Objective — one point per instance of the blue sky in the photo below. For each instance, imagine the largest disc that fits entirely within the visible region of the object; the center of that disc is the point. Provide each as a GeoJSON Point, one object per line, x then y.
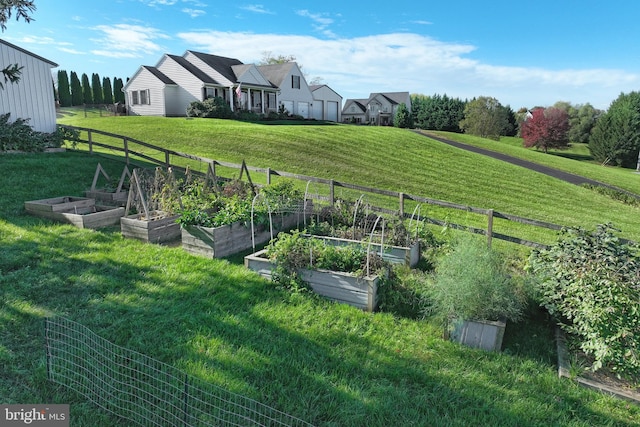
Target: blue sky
{"type": "Point", "coordinates": [524, 53]}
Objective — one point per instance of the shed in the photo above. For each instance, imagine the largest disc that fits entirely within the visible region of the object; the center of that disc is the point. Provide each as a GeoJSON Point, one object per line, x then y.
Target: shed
{"type": "Point", "coordinates": [32, 96]}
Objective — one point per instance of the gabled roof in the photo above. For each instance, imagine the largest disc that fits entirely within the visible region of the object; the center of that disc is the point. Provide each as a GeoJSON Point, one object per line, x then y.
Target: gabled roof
{"type": "Point", "coordinates": [6, 43]}
{"type": "Point", "coordinates": [221, 64]}
{"type": "Point", "coordinates": [197, 72]}
{"type": "Point", "coordinates": [314, 88]}
{"type": "Point", "coordinates": [159, 74]}
{"type": "Point", "coordinates": [360, 103]}
{"type": "Point", "coordinates": [392, 97]}
{"type": "Point", "coordinates": [276, 73]}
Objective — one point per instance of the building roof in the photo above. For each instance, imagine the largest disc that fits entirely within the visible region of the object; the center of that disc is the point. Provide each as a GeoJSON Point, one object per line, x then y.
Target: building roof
{"type": "Point", "coordinates": [201, 75]}
{"type": "Point", "coordinates": [221, 64]}
{"type": "Point", "coordinates": [4, 42]}
{"type": "Point", "coordinates": [276, 73]}
{"type": "Point", "coordinates": [393, 97]}
{"type": "Point", "coordinates": [159, 74]}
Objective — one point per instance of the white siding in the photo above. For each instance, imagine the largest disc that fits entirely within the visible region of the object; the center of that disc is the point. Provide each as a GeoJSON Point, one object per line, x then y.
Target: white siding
{"type": "Point", "coordinates": [327, 104]}
{"type": "Point", "coordinates": [191, 86]}
{"type": "Point", "coordinates": [144, 80]}
{"type": "Point", "coordinates": [290, 96]}
{"type": "Point", "coordinates": [32, 97]}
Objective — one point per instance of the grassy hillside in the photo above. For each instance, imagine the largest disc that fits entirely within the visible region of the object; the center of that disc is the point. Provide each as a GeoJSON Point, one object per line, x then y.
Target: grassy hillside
{"type": "Point", "coordinates": [388, 158]}
{"type": "Point", "coordinates": [329, 364]}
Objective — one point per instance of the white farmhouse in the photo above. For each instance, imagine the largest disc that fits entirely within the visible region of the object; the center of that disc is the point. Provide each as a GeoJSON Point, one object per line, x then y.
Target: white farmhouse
{"type": "Point", "coordinates": [32, 96]}
{"type": "Point", "coordinates": [168, 88]}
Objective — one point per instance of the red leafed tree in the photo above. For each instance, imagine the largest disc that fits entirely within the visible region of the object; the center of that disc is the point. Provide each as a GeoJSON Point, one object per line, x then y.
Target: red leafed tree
{"type": "Point", "coordinates": [546, 128]}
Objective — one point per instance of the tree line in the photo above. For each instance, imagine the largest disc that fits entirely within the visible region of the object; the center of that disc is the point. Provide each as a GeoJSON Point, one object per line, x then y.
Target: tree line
{"type": "Point", "coordinates": [613, 136]}
{"type": "Point", "coordinates": [73, 90]}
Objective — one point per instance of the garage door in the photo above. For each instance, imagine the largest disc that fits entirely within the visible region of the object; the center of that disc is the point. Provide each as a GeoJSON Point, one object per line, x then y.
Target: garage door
{"type": "Point", "coordinates": [332, 111]}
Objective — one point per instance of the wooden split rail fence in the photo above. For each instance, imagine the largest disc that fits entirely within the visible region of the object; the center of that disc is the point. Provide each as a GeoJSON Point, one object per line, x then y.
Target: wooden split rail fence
{"type": "Point", "coordinates": [136, 150]}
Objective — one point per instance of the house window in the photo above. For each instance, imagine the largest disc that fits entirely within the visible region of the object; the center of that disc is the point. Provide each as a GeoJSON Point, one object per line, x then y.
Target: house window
{"type": "Point", "coordinates": [353, 108]}
{"type": "Point", "coordinates": [140, 97]}
{"type": "Point", "coordinates": [295, 82]}
{"type": "Point", "coordinates": [271, 102]}
{"type": "Point", "coordinates": [209, 92]}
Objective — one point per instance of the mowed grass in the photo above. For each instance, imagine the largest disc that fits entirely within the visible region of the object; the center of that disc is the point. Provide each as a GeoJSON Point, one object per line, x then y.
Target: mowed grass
{"type": "Point", "coordinates": [388, 158]}
{"type": "Point", "coordinates": [329, 364]}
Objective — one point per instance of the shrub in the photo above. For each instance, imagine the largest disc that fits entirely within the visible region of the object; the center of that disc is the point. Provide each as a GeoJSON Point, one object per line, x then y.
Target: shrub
{"type": "Point", "coordinates": [18, 135]}
{"type": "Point", "coordinates": [210, 108]}
{"type": "Point", "coordinates": [471, 282]}
{"type": "Point", "coordinates": [591, 282]}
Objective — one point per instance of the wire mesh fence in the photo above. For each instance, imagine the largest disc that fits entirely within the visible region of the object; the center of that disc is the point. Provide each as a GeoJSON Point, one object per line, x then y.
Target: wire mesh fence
{"type": "Point", "coordinates": [143, 390]}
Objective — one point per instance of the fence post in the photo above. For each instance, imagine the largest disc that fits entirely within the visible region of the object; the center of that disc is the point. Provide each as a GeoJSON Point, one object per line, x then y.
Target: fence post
{"type": "Point", "coordinates": [46, 340]}
{"type": "Point", "coordinates": [125, 144]}
{"type": "Point", "coordinates": [185, 408]}
{"type": "Point", "coordinates": [489, 227]}
{"type": "Point", "coordinates": [331, 193]}
{"type": "Point", "coordinates": [90, 142]}
{"type": "Point", "coordinates": [166, 158]}
{"type": "Point", "coordinates": [401, 197]}
{"type": "Point", "coordinates": [268, 176]}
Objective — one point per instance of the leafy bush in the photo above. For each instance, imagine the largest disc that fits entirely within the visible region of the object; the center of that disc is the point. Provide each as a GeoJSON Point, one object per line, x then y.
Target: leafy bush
{"type": "Point", "coordinates": [18, 135]}
{"type": "Point", "coordinates": [620, 196]}
{"type": "Point", "coordinates": [591, 282]}
{"type": "Point", "coordinates": [471, 282]}
{"type": "Point", "coordinates": [216, 108]}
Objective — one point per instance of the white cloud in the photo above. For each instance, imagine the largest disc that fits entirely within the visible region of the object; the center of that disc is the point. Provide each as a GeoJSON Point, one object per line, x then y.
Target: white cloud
{"type": "Point", "coordinates": [354, 67]}
{"type": "Point", "coordinates": [128, 41]}
{"type": "Point", "coordinates": [257, 8]}
{"type": "Point", "coordinates": [194, 13]}
{"type": "Point", "coordinates": [71, 51]}
{"type": "Point", "coordinates": [321, 22]}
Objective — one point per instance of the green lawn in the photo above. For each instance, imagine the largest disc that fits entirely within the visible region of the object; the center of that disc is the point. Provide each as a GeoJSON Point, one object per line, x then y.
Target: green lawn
{"type": "Point", "coordinates": [329, 364]}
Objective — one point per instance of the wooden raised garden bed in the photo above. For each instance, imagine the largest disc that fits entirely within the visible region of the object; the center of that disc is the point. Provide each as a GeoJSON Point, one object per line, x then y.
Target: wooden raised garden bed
{"type": "Point", "coordinates": [112, 197]}
{"type": "Point", "coordinates": [230, 239]}
{"type": "Point", "coordinates": [79, 211]}
{"type": "Point", "coordinates": [393, 254]}
{"type": "Point", "coordinates": [157, 227]}
{"type": "Point", "coordinates": [361, 292]}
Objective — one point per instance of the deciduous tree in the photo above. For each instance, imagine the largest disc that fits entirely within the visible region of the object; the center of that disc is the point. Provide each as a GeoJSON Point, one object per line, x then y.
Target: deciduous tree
{"type": "Point", "coordinates": [546, 128]}
{"type": "Point", "coordinates": [485, 117]}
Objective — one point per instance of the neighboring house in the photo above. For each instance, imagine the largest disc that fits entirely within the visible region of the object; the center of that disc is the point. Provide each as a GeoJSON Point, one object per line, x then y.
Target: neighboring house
{"type": "Point", "coordinates": [327, 103]}
{"type": "Point", "coordinates": [32, 97]}
{"type": "Point", "coordinates": [378, 109]}
{"type": "Point", "coordinates": [176, 81]}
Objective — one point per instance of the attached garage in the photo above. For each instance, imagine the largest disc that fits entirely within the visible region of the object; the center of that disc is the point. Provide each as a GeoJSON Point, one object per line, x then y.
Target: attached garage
{"type": "Point", "coordinates": [327, 104]}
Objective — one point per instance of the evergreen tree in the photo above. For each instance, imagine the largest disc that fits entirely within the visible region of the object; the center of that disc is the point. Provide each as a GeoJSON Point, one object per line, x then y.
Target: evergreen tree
{"type": "Point", "coordinates": [107, 90]}
{"type": "Point", "coordinates": [87, 97]}
{"type": "Point", "coordinates": [118, 94]}
{"type": "Point", "coordinates": [402, 118]}
{"type": "Point", "coordinates": [96, 88]}
{"type": "Point", "coordinates": [438, 112]}
{"type": "Point", "coordinates": [615, 139]}
{"type": "Point", "coordinates": [76, 90]}
{"type": "Point", "coordinates": [64, 95]}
